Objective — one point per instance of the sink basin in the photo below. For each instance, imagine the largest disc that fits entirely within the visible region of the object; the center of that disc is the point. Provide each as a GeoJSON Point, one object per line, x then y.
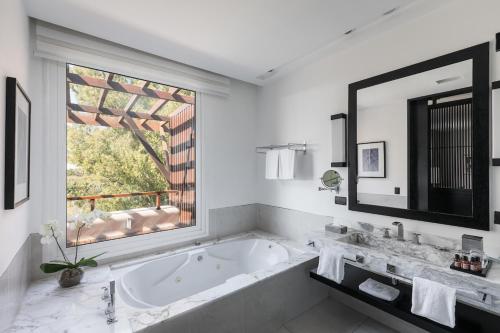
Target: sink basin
{"type": "Point", "coordinates": [391, 246]}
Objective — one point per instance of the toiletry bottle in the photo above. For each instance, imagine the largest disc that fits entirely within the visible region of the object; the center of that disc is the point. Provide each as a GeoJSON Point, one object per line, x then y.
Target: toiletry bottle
{"type": "Point", "coordinates": [475, 264]}
{"type": "Point", "coordinates": [457, 263]}
{"type": "Point", "coordinates": [465, 263]}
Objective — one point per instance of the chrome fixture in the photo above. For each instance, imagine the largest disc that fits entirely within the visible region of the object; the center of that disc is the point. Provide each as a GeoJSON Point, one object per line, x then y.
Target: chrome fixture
{"type": "Point", "coordinates": [387, 232]}
{"type": "Point", "coordinates": [331, 180]}
{"type": "Point", "coordinates": [292, 146]}
{"type": "Point", "coordinates": [392, 269]}
{"type": "Point", "coordinates": [110, 310]}
{"type": "Point", "coordinates": [357, 237]}
{"type": "Point", "coordinates": [311, 243]}
{"type": "Point", "coordinates": [197, 243]}
{"type": "Point", "coordinates": [401, 232]}
{"type": "Point", "coordinates": [359, 259]}
{"type": "Point", "coordinates": [105, 294]}
{"type": "Point", "coordinates": [416, 238]}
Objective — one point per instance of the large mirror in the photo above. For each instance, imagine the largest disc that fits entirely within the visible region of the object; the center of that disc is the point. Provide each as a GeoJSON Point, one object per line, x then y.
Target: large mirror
{"type": "Point", "coordinates": [419, 141]}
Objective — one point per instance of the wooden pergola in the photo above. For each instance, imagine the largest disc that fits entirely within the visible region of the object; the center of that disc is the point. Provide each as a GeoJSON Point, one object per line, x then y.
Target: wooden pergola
{"type": "Point", "coordinates": [101, 116]}
{"type": "Point", "coordinates": [177, 166]}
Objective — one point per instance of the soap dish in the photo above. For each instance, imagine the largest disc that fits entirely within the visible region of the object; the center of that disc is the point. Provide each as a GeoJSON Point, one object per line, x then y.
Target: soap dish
{"type": "Point", "coordinates": [482, 272]}
{"type": "Point", "coordinates": [379, 290]}
{"type": "Point", "coordinates": [342, 229]}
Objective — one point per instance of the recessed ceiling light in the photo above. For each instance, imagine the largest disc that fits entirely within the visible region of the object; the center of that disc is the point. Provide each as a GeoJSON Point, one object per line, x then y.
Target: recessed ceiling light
{"type": "Point", "coordinates": [448, 79]}
{"type": "Point", "coordinates": [267, 74]}
{"type": "Point", "coordinates": [390, 11]}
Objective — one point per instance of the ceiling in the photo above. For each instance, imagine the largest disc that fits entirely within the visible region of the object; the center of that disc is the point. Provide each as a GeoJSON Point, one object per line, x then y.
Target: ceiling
{"type": "Point", "coordinates": [236, 38]}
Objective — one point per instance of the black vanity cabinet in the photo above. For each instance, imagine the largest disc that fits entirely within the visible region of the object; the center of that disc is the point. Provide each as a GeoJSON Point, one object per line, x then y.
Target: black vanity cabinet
{"type": "Point", "coordinates": [418, 141]}
{"type": "Point", "coordinates": [468, 319]}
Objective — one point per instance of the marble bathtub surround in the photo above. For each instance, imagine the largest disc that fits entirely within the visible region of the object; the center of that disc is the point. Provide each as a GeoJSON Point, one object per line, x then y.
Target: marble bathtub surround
{"type": "Point", "coordinates": [49, 308]}
{"type": "Point", "coordinates": [13, 285]}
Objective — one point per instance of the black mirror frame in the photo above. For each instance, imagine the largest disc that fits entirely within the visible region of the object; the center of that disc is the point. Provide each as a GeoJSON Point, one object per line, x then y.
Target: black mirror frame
{"type": "Point", "coordinates": [480, 218]}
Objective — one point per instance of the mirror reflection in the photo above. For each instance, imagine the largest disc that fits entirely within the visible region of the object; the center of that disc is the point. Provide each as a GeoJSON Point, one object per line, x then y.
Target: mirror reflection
{"type": "Point", "coordinates": [414, 142]}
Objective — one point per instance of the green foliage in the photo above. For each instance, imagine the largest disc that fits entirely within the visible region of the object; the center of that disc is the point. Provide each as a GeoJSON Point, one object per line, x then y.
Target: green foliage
{"type": "Point", "coordinates": [111, 161]}
{"type": "Point", "coordinates": [56, 265]}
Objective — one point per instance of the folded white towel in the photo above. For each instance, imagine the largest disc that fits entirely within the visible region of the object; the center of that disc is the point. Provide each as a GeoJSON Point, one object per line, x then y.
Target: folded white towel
{"type": "Point", "coordinates": [331, 264]}
{"type": "Point", "coordinates": [272, 160]}
{"type": "Point", "coordinates": [434, 301]}
{"type": "Point", "coordinates": [286, 163]}
{"type": "Point", "coordinates": [379, 290]}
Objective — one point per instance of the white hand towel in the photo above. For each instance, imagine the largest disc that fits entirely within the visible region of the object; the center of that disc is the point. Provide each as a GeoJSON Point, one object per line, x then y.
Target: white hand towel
{"type": "Point", "coordinates": [286, 164]}
{"type": "Point", "coordinates": [379, 290]}
{"type": "Point", "coordinates": [434, 301]}
{"type": "Point", "coordinates": [331, 264]}
{"type": "Point", "coordinates": [272, 160]}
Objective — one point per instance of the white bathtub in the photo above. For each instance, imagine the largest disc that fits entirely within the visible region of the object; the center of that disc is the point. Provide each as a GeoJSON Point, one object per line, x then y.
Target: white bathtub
{"type": "Point", "coordinates": [163, 281]}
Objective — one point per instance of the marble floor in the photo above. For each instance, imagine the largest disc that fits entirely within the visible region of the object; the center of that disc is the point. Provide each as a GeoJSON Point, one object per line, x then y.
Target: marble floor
{"type": "Point", "coordinates": [330, 316]}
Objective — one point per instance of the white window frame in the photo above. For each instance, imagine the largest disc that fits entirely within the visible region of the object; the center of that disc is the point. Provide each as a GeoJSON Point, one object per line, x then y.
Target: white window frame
{"type": "Point", "coordinates": [54, 170]}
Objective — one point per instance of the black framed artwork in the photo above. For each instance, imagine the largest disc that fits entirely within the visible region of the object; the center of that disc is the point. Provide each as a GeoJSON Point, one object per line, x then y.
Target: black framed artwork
{"type": "Point", "coordinates": [17, 144]}
{"type": "Point", "coordinates": [371, 159]}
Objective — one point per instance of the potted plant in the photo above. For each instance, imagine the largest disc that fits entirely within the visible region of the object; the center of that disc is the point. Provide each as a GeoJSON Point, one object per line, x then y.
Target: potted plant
{"type": "Point", "coordinates": [72, 272]}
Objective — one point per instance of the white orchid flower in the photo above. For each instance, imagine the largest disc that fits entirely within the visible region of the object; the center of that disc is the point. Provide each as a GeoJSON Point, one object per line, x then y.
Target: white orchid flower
{"type": "Point", "coordinates": [50, 230]}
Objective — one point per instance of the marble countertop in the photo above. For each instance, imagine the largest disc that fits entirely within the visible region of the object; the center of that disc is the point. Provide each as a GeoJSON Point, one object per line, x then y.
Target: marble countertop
{"type": "Point", "coordinates": [470, 288]}
{"type": "Point", "coordinates": [49, 308]}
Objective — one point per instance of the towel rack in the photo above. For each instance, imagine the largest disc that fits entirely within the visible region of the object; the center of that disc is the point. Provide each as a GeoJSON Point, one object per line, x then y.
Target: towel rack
{"type": "Point", "coordinates": [291, 146]}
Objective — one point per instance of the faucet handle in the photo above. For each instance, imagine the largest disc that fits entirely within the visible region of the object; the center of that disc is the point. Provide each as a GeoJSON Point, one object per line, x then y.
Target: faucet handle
{"type": "Point", "coordinates": [105, 293]}
{"type": "Point", "coordinates": [416, 238]}
{"type": "Point", "coordinates": [387, 232]}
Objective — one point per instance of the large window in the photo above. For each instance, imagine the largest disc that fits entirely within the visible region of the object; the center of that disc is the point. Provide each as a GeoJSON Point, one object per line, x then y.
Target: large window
{"type": "Point", "coordinates": [130, 156]}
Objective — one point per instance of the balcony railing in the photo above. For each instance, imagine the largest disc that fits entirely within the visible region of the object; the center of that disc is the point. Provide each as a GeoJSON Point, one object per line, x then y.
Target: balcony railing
{"type": "Point", "coordinates": [92, 198]}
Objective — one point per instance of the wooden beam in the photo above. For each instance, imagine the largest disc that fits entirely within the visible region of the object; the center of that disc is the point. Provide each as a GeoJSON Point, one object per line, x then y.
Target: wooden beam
{"type": "Point", "coordinates": [83, 118]}
{"type": "Point", "coordinates": [104, 94]}
{"type": "Point", "coordinates": [142, 139]}
{"type": "Point", "coordinates": [134, 98]}
{"type": "Point", "coordinates": [164, 146]}
{"type": "Point", "coordinates": [115, 112]}
{"type": "Point", "coordinates": [127, 88]}
{"type": "Point", "coordinates": [157, 106]}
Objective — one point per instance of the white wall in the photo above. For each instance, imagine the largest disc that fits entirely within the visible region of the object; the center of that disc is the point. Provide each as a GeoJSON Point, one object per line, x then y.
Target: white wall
{"type": "Point", "coordinates": [297, 107]}
{"type": "Point", "coordinates": [373, 126]}
{"type": "Point", "coordinates": [14, 61]}
{"type": "Point", "coordinates": [229, 147]}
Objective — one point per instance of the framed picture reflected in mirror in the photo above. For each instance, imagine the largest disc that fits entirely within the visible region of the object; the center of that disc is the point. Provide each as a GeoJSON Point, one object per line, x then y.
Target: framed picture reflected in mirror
{"type": "Point", "coordinates": [371, 159]}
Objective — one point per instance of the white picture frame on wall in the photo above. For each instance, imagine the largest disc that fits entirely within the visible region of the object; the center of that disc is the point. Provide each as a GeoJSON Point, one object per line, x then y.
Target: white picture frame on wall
{"type": "Point", "coordinates": [371, 159]}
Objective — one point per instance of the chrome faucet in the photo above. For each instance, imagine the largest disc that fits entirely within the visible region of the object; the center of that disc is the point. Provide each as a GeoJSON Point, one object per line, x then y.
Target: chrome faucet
{"type": "Point", "coordinates": [110, 310]}
{"type": "Point", "coordinates": [401, 232]}
{"type": "Point", "coordinates": [416, 238]}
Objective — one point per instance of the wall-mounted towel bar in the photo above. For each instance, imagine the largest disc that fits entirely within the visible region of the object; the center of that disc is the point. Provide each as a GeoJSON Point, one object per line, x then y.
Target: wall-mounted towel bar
{"type": "Point", "coordinates": [292, 146]}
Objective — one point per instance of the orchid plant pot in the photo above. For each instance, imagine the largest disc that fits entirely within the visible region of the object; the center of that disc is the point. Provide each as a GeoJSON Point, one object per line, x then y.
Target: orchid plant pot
{"type": "Point", "coordinates": [71, 272]}
{"type": "Point", "coordinates": [70, 277]}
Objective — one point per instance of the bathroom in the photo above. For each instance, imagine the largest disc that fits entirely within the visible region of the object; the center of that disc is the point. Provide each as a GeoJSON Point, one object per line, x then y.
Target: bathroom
{"type": "Point", "coordinates": [250, 166]}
